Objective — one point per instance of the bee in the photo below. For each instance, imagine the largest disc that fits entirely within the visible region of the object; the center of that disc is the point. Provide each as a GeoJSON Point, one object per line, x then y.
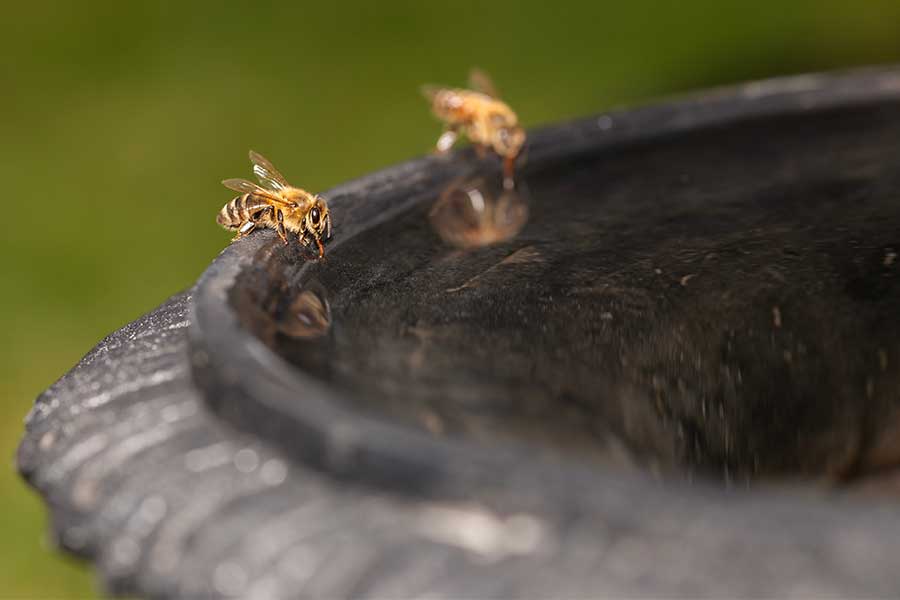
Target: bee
{"type": "Point", "coordinates": [277, 205]}
{"type": "Point", "coordinates": [481, 116]}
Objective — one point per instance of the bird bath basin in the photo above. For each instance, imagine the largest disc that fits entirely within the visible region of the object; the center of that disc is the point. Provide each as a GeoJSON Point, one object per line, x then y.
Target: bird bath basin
{"type": "Point", "coordinates": [666, 363]}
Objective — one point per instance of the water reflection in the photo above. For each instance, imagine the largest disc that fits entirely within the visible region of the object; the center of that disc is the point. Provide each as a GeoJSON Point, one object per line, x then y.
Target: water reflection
{"type": "Point", "coordinates": [307, 316]}
{"type": "Point", "coordinates": [471, 213]}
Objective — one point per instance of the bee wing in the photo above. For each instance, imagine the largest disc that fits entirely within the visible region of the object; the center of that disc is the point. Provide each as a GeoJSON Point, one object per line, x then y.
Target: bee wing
{"type": "Point", "coordinates": [248, 187]}
{"type": "Point", "coordinates": [430, 91]}
{"type": "Point", "coordinates": [482, 82]}
{"type": "Point", "coordinates": [266, 172]}
{"type": "Point", "coordinates": [244, 186]}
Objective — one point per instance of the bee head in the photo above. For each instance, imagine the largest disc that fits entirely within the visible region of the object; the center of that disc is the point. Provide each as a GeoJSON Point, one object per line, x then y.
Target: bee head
{"type": "Point", "coordinates": [509, 140]}
{"type": "Point", "coordinates": [318, 221]}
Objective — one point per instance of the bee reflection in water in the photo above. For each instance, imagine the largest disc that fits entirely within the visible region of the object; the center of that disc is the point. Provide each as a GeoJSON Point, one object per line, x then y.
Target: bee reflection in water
{"type": "Point", "coordinates": [470, 213]}
{"type": "Point", "coordinates": [307, 317]}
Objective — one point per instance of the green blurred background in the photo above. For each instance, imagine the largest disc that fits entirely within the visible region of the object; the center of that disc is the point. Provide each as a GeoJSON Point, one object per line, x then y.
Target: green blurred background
{"type": "Point", "coordinates": [119, 119]}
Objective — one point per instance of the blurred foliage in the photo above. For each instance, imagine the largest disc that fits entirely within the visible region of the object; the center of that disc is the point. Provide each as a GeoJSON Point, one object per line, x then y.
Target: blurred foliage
{"type": "Point", "coordinates": [119, 119]}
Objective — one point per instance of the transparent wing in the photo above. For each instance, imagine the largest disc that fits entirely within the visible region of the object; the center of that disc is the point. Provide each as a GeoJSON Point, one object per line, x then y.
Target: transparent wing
{"type": "Point", "coordinates": [482, 82]}
{"type": "Point", "coordinates": [430, 91]}
{"type": "Point", "coordinates": [248, 187]}
{"type": "Point", "coordinates": [244, 186]}
{"type": "Point", "coordinates": [266, 172]}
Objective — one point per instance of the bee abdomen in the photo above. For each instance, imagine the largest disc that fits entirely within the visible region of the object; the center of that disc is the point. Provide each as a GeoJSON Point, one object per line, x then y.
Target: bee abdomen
{"type": "Point", "coordinates": [234, 214]}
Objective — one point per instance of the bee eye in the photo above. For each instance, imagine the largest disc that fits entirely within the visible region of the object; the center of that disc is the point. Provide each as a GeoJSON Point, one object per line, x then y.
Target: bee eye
{"type": "Point", "coordinates": [314, 216]}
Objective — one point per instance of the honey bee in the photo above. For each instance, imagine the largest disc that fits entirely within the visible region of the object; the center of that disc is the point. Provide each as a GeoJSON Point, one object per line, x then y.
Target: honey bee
{"type": "Point", "coordinates": [277, 205]}
{"type": "Point", "coordinates": [481, 116]}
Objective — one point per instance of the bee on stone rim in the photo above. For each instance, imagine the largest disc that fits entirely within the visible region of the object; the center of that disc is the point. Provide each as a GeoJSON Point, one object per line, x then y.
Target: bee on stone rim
{"type": "Point", "coordinates": [277, 205]}
{"type": "Point", "coordinates": [481, 116]}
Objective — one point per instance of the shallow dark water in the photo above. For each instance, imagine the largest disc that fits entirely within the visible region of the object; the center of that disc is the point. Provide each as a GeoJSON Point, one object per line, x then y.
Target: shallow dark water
{"type": "Point", "coordinates": [723, 303]}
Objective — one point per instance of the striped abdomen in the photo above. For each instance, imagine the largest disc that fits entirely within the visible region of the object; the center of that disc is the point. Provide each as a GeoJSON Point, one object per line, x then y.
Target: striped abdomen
{"type": "Point", "coordinates": [245, 207]}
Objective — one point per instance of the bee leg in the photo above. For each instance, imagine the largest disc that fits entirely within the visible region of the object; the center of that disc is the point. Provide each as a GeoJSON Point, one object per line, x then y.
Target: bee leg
{"type": "Point", "coordinates": [304, 241]}
{"type": "Point", "coordinates": [509, 164]}
{"type": "Point", "coordinates": [245, 229]}
{"type": "Point", "coordinates": [321, 248]}
{"type": "Point", "coordinates": [248, 226]}
{"type": "Point", "coordinates": [279, 228]}
{"type": "Point", "coordinates": [446, 141]}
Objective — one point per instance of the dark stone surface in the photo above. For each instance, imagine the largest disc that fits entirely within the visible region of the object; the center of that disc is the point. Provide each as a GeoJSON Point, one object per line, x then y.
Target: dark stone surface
{"type": "Point", "coordinates": [680, 306]}
{"type": "Point", "coordinates": [669, 297]}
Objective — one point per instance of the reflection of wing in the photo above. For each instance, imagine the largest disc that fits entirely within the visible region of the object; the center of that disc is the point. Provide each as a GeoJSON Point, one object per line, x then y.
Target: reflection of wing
{"type": "Point", "coordinates": [267, 174]}
{"type": "Point", "coordinates": [481, 82]}
{"type": "Point", "coordinates": [248, 187]}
